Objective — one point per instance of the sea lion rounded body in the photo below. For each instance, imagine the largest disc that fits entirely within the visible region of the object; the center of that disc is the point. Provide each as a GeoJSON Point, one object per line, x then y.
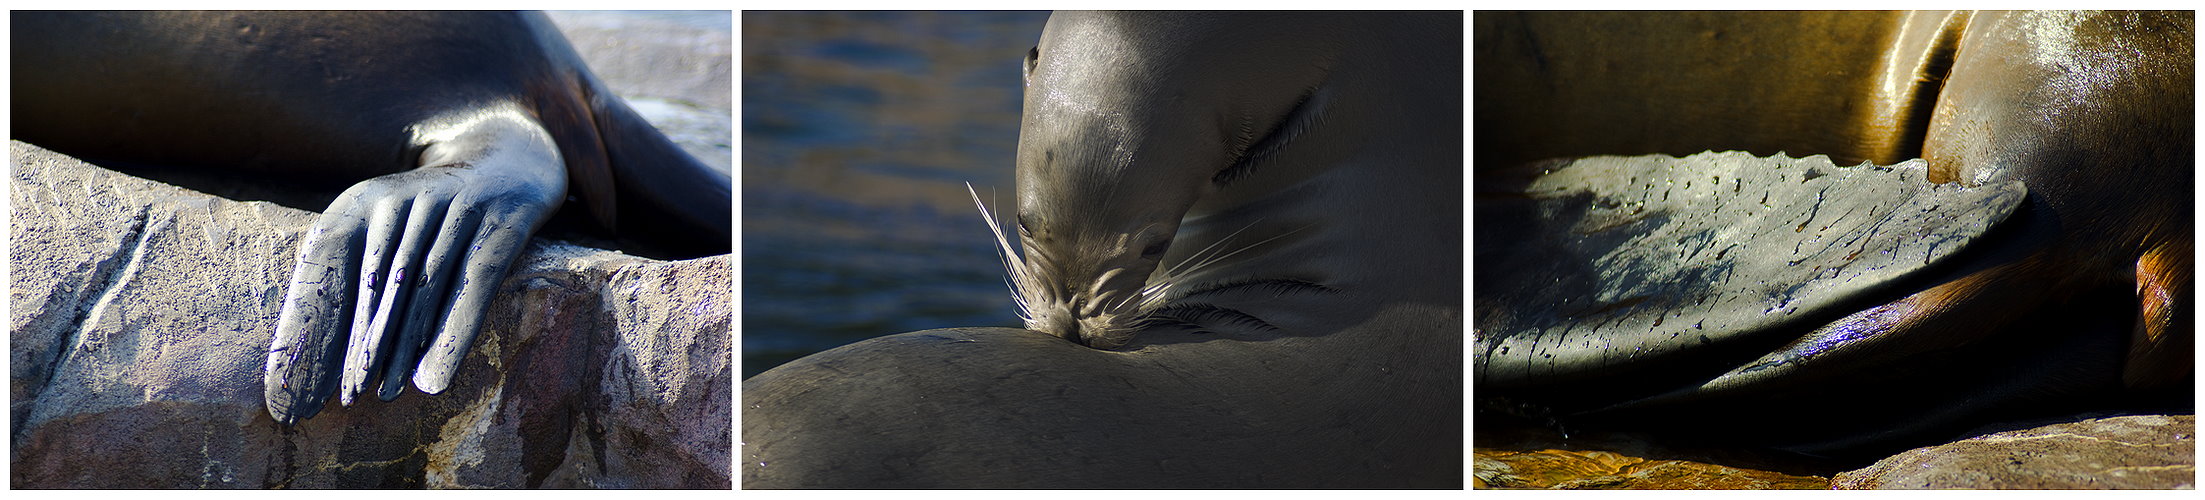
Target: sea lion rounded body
{"type": "Point", "coordinates": [1263, 156]}
{"type": "Point", "coordinates": [463, 130]}
{"type": "Point", "coordinates": [1319, 346]}
{"type": "Point", "coordinates": [1856, 86]}
{"type": "Point", "coordinates": [2075, 303]}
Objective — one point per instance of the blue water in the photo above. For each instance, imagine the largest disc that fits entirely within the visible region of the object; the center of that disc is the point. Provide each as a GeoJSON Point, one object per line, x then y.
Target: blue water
{"type": "Point", "coordinates": [860, 130]}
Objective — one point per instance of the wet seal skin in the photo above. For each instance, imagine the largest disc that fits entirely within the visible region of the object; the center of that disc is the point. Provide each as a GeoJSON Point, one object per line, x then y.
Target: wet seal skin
{"type": "Point", "coordinates": [460, 133]}
{"type": "Point", "coordinates": [2034, 261]}
{"type": "Point", "coordinates": [1241, 268]}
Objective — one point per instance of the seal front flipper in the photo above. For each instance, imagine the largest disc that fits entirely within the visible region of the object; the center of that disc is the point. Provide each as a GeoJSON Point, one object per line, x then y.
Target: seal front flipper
{"type": "Point", "coordinates": [302, 359]}
{"type": "Point", "coordinates": [1653, 265]}
{"type": "Point", "coordinates": [474, 256]}
{"type": "Point", "coordinates": [488, 179]}
{"type": "Point", "coordinates": [1937, 319]}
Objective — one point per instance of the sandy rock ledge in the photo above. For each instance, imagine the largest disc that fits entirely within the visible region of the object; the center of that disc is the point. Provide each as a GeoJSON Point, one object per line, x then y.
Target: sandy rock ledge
{"type": "Point", "coordinates": [2127, 452]}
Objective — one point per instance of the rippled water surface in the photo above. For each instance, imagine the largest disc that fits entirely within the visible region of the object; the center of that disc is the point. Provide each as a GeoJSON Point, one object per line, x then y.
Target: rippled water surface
{"type": "Point", "coordinates": [860, 130]}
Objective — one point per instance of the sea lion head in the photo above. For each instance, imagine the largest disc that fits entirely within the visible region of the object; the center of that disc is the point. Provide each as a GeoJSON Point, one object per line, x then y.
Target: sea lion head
{"type": "Point", "coordinates": [1130, 120]}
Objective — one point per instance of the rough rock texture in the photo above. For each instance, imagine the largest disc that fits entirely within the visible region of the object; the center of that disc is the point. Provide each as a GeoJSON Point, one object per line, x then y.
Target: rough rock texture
{"type": "Point", "coordinates": [140, 320]}
{"type": "Point", "coordinates": [1536, 458]}
{"type": "Point", "coordinates": [2130, 452]}
{"type": "Point", "coordinates": [1573, 470]}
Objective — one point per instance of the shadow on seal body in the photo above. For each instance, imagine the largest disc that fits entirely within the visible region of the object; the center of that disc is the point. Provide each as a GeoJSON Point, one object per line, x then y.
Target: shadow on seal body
{"type": "Point", "coordinates": [2079, 302]}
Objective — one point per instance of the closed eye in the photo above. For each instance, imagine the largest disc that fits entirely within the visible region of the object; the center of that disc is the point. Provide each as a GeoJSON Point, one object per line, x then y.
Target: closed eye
{"type": "Point", "coordinates": [1156, 250]}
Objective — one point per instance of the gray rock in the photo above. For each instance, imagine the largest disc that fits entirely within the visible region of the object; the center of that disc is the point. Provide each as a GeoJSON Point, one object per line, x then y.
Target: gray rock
{"type": "Point", "coordinates": [140, 320]}
{"type": "Point", "coordinates": [2131, 452]}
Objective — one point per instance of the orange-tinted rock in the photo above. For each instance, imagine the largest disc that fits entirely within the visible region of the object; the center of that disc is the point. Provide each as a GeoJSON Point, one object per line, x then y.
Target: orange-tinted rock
{"type": "Point", "coordinates": [1542, 459]}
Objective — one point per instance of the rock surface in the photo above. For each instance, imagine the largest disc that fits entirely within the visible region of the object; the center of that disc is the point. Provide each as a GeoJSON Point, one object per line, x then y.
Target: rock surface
{"type": "Point", "coordinates": [1533, 458]}
{"type": "Point", "coordinates": [2129, 452]}
{"type": "Point", "coordinates": [140, 319]}
{"type": "Point", "coordinates": [1574, 470]}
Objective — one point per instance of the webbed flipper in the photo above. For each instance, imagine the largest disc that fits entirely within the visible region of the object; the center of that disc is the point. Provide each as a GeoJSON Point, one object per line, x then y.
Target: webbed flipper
{"type": "Point", "coordinates": [1601, 267]}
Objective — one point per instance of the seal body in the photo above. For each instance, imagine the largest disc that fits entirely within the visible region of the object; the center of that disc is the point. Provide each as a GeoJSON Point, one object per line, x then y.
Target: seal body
{"type": "Point", "coordinates": [1855, 86]}
{"type": "Point", "coordinates": [463, 131]}
{"type": "Point", "coordinates": [2075, 302]}
{"type": "Point", "coordinates": [1279, 196]}
{"type": "Point", "coordinates": [1242, 176]}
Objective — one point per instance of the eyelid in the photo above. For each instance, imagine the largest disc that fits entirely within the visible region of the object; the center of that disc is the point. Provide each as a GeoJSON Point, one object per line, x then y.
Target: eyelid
{"type": "Point", "coordinates": [1151, 235]}
{"type": "Point", "coordinates": [1148, 232]}
{"type": "Point", "coordinates": [1156, 249]}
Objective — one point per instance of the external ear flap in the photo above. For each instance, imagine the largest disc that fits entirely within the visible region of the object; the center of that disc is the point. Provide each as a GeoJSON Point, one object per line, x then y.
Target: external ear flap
{"type": "Point", "coordinates": [567, 113]}
{"type": "Point", "coordinates": [1033, 56]}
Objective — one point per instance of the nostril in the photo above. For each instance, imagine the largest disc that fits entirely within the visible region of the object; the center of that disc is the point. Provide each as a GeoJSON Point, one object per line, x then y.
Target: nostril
{"type": "Point", "coordinates": [1063, 327]}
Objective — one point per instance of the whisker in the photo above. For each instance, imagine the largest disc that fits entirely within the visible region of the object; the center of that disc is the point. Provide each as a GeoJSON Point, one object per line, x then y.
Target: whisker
{"type": "Point", "coordinates": [1154, 296]}
{"type": "Point", "coordinates": [1020, 282]}
{"type": "Point", "coordinates": [1197, 255]}
{"type": "Point", "coordinates": [1213, 260]}
{"type": "Point", "coordinates": [1119, 305]}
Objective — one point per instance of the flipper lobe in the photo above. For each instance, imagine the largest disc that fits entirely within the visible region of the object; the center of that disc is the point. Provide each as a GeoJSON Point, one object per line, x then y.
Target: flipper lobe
{"type": "Point", "coordinates": [1587, 264]}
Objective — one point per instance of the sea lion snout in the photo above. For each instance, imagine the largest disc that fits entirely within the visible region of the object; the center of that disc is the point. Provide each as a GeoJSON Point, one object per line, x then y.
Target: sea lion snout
{"type": "Point", "coordinates": [1112, 287]}
{"type": "Point", "coordinates": [1100, 305]}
